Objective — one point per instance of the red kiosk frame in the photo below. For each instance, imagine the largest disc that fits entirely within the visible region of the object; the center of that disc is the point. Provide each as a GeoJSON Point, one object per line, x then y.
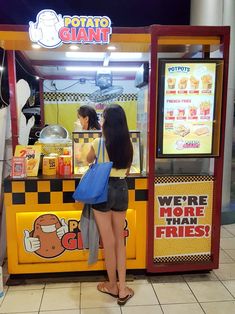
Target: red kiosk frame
{"type": "Point", "coordinates": [192, 32]}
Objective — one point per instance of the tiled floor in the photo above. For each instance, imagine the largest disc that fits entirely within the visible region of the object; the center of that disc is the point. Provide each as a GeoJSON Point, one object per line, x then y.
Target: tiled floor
{"type": "Point", "coordinates": [210, 293]}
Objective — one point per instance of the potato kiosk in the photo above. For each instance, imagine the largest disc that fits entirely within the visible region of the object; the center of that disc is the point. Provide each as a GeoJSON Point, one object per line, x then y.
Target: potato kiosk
{"type": "Point", "coordinates": [176, 113]}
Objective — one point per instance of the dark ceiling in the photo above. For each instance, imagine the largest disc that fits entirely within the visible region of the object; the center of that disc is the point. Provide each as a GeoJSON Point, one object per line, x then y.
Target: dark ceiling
{"type": "Point", "coordinates": [125, 13]}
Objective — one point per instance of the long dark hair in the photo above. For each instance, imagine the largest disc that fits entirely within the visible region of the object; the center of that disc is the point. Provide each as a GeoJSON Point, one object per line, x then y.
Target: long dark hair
{"type": "Point", "coordinates": [88, 111]}
{"type": "Point", "coordinates": [117, 137]}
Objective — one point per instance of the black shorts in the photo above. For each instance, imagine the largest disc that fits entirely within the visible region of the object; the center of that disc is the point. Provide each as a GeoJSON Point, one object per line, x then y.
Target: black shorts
{"type": "Point", "coordinates": [117, 196]}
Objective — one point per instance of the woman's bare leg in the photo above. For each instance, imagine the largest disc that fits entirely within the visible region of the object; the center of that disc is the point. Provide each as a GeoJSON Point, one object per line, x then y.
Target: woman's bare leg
{"type": "Point", "coordinates": [118, 221]}
{"type": "Point", "coordinates": [104, 223]}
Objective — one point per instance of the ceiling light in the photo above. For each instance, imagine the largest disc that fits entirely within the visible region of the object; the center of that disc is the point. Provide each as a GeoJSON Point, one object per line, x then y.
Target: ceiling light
{"type": "Point", "coordinates": [74, 47]}
{"type": "Point", "coordinates": [94, 69]}
{"type": "Point", "coordinates": [126, 56]}
{"type": "Point", "coordinates": [97, 56]}
{"type": "Point", "coordinates": [37, 77]}
{"type": "Point", "coordinates": [1, 68]}
{"type": "Point", "coordinates": [35, 46]}
{"type": "Point", "coordinates": [111, 48]}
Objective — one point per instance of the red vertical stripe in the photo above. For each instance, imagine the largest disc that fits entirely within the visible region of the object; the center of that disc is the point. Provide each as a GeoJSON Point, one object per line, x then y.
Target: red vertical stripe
{"type": "Point", "coordinates": [12, 92]}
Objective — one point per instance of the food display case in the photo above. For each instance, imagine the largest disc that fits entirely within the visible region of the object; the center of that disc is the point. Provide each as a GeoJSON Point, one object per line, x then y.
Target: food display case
{"type": "Point", "coordinates": [81, 146]}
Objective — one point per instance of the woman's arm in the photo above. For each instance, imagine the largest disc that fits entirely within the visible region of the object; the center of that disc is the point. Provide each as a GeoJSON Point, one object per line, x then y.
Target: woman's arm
{"type": "Point", "coordinates": [128, 171]}
{"type": "Point", "coordinates": [91, 155]}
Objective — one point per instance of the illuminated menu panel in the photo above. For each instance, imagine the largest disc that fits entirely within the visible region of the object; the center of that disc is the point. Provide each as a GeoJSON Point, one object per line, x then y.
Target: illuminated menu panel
{"type": "Point", "coordinates": [188, 90]}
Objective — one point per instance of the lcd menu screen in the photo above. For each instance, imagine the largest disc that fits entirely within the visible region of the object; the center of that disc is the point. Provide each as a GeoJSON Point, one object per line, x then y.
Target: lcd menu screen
{"type": "Point", "coordinates": [187, 99]}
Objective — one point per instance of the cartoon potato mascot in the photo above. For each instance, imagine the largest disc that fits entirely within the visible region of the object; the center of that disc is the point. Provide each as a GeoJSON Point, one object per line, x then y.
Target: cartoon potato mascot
{"type": "Point", "coordinates": [45, 239]}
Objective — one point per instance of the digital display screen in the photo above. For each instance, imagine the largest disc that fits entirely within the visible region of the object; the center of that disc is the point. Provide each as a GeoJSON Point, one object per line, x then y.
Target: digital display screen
{"type": "Point", "coordinates": [187, 107]}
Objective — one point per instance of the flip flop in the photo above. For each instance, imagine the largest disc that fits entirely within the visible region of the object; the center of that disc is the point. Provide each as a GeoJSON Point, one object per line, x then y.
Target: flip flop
{"type": "Point", "coordinates": [102, 288]}
{"type": "Point", "coordinates": [122, 301]}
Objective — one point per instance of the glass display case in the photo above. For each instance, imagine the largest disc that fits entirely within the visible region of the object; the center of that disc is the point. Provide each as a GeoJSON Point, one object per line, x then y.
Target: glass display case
{"type": "Point", "coordinates": [81, 145]}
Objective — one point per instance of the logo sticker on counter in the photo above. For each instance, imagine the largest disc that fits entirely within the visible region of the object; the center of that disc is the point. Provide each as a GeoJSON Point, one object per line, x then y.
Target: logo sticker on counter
{"type": "Point", "coordinates": [51, 236]}
{"type": "Point", "coordinates": [51, 30]}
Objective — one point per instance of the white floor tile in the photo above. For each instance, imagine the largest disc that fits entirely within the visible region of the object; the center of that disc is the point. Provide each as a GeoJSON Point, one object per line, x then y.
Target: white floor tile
{"type": "Point", "coordinates": [77, 311]}
{"type": "Point", "coordinates": [166, 278]}
{"type": "Point", "coordinates": [62, 285]}
{"type": "Point", "coordinates": [200, 277]}
{"type": "Point", "coordinates": [23, 313]}
{"type": "Point", "coordinates": [107, 310]}
{"type": "Point", "coordinates": [224, 258]}
{"type": "Point", "coordinates": [61, 299]}
{"type": "Point", "coordinates": [89, 284]}
{"type": "Point", "coordinates": [193, 308]}
{"type": "Point", "coordinates": [206, 291]}
{"type": "Point", "coordinates": [149, 309]}
{"type": "Point", "coordinates": [21, 301]}
{"type": "Point", "coordinates": [227, 243]}
{"type": "Point", "coordinates": [224, 233]}
{"type": "Point", "coordinates": [225, 271]}
{"type": "Point", "coordinates": [219, 307]}
{"type": "Point", "coordinates": [230, 228]}
{"type": "Point", "coordinates": [26, 287]}
{"type": "Point", "coordinates": [5, 289]}
{"type": "Point", "coordinates": [230, 285]}
{"type": "Point", "coordinates": [144, 295]}
{"type": "Point", "coordinates": [138, 282]}
{"type": "Point", "coordinates": [91, 298]}
{"type": "Point", "coordinates": [231, 253]}
{"type": "Point", "coordinates": [173, 293]}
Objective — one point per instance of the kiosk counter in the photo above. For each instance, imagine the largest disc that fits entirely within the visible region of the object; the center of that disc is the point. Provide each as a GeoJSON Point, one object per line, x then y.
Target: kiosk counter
{"type": "Point", "coordinates": [43, 208]}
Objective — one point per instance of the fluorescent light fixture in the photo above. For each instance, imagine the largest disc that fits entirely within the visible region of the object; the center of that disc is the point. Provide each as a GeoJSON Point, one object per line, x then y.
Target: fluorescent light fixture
{"type": "Point", "coordinates": [35, 46]}
{"type": "Point", "coordinates": [111, 48]}
{"type": "Point", "coordinates": [125, 56]}
{"type": "Point", "coordinates": [94, 69]}
{"type": "Point", "coordinates": [74, 47]}
{"type": "Point", "coordinates": [85, 55]}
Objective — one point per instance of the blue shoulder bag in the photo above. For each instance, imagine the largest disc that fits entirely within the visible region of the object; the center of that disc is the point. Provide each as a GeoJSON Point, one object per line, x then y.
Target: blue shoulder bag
{"type": "Point", "coordinates": [93, 186]}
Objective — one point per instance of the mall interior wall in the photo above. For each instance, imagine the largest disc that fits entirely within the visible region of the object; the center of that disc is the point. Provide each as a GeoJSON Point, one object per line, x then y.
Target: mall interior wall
{"type": "Point", "coordinates": [222, 13]}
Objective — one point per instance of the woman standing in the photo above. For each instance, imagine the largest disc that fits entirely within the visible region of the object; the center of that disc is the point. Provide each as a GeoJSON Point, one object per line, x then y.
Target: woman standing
{"type": "Point", "coordinates": [110, 216]}
{"type": "Point", "coordinates": [88, 118]}
{"type": "Point", "coordinates": [89, 121]}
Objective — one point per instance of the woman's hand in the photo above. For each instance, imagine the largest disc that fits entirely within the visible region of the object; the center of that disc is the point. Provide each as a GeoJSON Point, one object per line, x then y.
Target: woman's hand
{"type": "Point", "coordinates": [128, 171]}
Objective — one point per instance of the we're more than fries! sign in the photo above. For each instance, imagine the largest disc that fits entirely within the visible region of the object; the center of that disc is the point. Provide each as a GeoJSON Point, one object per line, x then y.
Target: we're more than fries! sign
{"type": "Point", "coordinates": [183, 217]}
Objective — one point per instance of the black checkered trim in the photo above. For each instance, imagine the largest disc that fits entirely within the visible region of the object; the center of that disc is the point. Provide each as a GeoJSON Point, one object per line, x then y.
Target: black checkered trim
{"type": "Point", "coordinates": [18, 198]}
{"type": "Point", "coordinates": [44, 198]}
{"type": "Point", "coordinates": [7, 186]}
{"type": "Point", "coordinates": [75, 97]}
{"type": "Point", "coordinates": [62, 97]}
{"type": "Point", "coordinates": [180, 259]}
{"type": "Point", "coordinates": [134, 136]}
{"type": "Point", "coordinates": [31, 186]}
{"type": "Point", "coordinates": [68, 197]}
{"type": "Point", "coordinates": [56, 185]}
{"type": "Point", "coordinates": [127, 97]}
{"type": "Point", "coordinates": [173, 179]}
{"type": "Point", "coordinates": [85, 137]}
{"type": "Point", "coordinates": [141, 195]}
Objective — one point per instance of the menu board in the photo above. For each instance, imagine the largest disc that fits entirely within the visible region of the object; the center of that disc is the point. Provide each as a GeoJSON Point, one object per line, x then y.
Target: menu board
{"type": "Point", "coordinates": [187, 98]}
